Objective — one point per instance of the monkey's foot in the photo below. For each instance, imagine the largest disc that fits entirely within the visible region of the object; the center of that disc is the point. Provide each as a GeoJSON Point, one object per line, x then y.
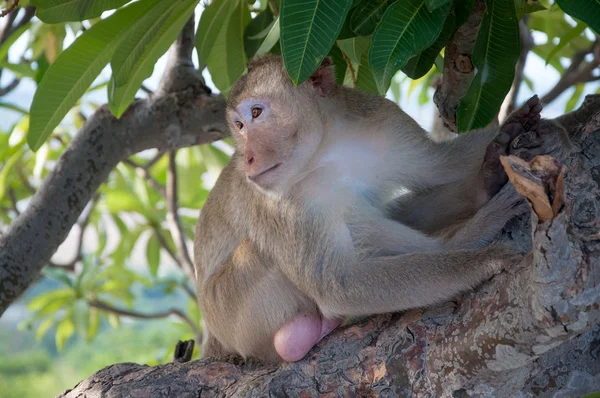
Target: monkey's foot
{"type": "Point", "coordinates": [295, 339]}
{"type": "Point", "coordinates": [523, 119]}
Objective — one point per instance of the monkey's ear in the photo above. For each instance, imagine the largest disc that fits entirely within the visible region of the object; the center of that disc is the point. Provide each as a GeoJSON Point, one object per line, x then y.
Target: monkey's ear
{"type": "Point", "coordinates": [323, 78]}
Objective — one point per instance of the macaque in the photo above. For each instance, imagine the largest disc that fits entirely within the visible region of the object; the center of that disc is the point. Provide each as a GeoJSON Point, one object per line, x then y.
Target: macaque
{"type": "Point", "coordinates": [303, 229]}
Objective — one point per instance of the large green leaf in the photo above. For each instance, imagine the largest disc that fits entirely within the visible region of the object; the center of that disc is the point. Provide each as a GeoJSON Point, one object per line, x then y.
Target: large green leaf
{"type": "Point", "coordinates": [406, 29]}
{"type": "Point", "coordinates": [76, 68]}
{"type": "Point", "coordinates": [10, 40]}
{"type": "Point", "coordinates": [418, 66]}
{"type": "Point", "coordinates": [257, 30]}
{"type": "Point", "coordinates": [364, 77]}
{"type": "Point", "coordinates": [227, 60]}
{"type": "Point", "coordinates": [586, 10]}
{"type": "Point", "coordinates": [270, 40]}
{"type": "Point", "coordinates": [339, 64]}
{"type": "Point", "coordinates": [134, 59]}
{"type": "Point", "coordinates": [308, 30]}
{"type": "Point", "coordinates": [212, 22]}
{"type": "Point", "coordinates": [496, 52]}
{"type": "Point", "coordinates": [55, 11]}
{"type": "Point", "coordinates": [366, 15]}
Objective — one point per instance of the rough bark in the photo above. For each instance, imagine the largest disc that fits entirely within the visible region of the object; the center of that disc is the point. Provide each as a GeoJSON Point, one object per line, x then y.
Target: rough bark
{"type": "Point", "coordinates": [182, 113]}
{"type": "Point", "coordinates": [532, 330]}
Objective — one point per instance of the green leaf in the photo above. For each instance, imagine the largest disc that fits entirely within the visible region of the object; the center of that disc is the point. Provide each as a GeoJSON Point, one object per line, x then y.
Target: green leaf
{"type": "Point", "coordinates": [566, 39]}
{"type": "Point", "coordinates": [271, 39]}
{"type": "Point", "coordinates": [76, 68]}
{"type": "Point", "coordinates": [418, 66]}
{"type": "Point", "coordinates": [64, 331]}
{"type": "Point", "coordinates": [59, 275]}
{"type": "Point", "coordinates": [574, 100]}
{"type": "Point", "coordinates": [527, 7]}
{"type": "Point", "coordinates": [219, 41]}
{"type": "Point", "coordinates": [355, 47]}
{"type": "Point", "coordinates": [308, 30]}
{"type": "Point", "coordinates": [14, 107]}
{"type": "Point", "coordinates": [405, 30]}
{"type": "Point", "coordinates": [496, 52]}
{"type": "Point", "coordinates": [10, 40]}
{"type": "Point", "coordinates": [43, 328]}
{"type": "Point", "coordinates": [339, 64]}
{"type": "Point", "coordinates": [94, 323]}
{"type": "Point", "coordinates": [81, 317]}
{"type": "Point", "coordinates": [21, 70]}
{"type": "Point", "coordinates": [366, 15]}
{"type": "Point", "coordinates": [364, 77]}
{"type": "Point", "coordinates": [212, 22]}
{"type": "Point", "coordinates": [42, 68]}
{"type": "Point", "coordinates": [432, 5]}
{"type": "Point", "coordinates": [586, 10]}
{"type": "Point", "coordinates": [153, 254]}
{"type": "Point", "coordinates": [257, 30]}
{"type": "Point", "coordinates": [55, 11]}
{"type": "Point", "coordinates": [134, 59]}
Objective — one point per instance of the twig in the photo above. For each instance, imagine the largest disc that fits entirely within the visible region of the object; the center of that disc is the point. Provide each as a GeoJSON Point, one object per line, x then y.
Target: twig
{"type": "Point", "coordinates": [172, 215]}
{"type": "Point", "coordinates": [578, 72]}
{"type": "Point", "coordinates": [349, 63]}
{"type": "Point", "coordinates": [10, 87]}
{"type": "Point", "coordinates": [10, 8]}
{"type": "Point", "coordinates": [147, 90]}
{"type": "Point", "coordinates": [101, 305]}
{"type": "Point", "coordinates": [82, 224]}
{"type": "Point", "coordinates": [8, 25]}
{"type": "Point", "coordinates": [13, 201]}
{"type": "Point", "coordinates": [155, 159]}
{"type": "Point", "coordinates": [143, 172]}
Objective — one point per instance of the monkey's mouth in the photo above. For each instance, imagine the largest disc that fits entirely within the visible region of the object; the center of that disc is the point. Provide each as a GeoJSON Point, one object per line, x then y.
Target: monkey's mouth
{"type": "Point", "coordinates": [262, 173]}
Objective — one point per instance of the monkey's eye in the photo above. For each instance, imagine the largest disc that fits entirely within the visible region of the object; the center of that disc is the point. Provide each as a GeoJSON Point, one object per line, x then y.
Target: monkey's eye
{"type": "Point", "coordinates": [239, 125]}
{"type": "Point", "coordinates": [256, 111]}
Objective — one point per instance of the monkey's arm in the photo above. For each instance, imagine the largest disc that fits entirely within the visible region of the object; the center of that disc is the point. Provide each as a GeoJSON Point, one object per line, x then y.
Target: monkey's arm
{"type": "Point", "coordinates": [395, 283]}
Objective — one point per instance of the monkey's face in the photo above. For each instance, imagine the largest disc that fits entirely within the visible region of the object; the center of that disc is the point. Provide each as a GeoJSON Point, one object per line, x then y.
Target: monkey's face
{"type": "Point", "coordinates": [277, 126]}
{"type": "Point", "coordinates": [275, 143]}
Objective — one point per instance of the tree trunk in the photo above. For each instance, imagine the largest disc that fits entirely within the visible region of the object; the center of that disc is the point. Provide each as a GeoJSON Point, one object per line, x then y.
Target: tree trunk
{"type": "Point", "coordinates": [532, 330]}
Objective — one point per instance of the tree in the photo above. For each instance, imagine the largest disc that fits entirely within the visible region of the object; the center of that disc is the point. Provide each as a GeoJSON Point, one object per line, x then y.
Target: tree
{"type": "Point", "coordinates": [476, 50]}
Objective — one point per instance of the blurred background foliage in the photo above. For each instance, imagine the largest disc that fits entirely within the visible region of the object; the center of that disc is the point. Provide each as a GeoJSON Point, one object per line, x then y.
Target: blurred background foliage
{"type": "Point", "coordinates": [120, 288]}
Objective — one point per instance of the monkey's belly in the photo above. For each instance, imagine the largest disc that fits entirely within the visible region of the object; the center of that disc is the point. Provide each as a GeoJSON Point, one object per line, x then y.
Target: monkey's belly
{"type": "Point", "coordinates": [294, 339]}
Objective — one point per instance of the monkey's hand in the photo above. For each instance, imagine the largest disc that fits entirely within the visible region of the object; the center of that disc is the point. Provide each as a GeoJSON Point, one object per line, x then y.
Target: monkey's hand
{"type": "Point", "coordinates": [517, 125]}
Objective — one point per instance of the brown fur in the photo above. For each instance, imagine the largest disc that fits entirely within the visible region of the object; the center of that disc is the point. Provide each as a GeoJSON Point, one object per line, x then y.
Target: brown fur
{"type": "Point", "coordinates": [313, 238]}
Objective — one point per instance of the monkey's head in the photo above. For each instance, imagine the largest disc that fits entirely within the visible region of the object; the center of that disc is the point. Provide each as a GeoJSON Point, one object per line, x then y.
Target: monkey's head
{"type": "Point", "coordinates": [277, 126]}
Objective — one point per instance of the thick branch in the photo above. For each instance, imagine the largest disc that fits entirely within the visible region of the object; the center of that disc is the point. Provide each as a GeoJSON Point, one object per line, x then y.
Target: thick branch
{"type": "Point", "coordinates": [458, 67]}
{"type": "Point", "coordinates": [532, 330]}
{"type": "Point", "coordinates": [181, 114]}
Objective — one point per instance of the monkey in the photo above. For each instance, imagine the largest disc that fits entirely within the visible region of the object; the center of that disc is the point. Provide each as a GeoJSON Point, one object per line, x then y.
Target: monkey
{"type": "Point", "coordinates": [303, 227]}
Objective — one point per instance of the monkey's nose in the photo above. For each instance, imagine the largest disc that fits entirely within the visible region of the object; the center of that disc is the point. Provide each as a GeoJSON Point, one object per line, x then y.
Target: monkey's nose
{"type": "Point", "coordinates": [249, 158]}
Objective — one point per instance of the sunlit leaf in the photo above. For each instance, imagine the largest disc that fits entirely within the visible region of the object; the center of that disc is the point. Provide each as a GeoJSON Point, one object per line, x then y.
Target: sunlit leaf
{"type": "Point", "coordinates": [76, 68]}
{"type": "Point", "coordinates": [59, 275]}
{"type": "Point", "coordinates": [565, 40]}
{"type": "Point", "coordinates": [355, 47]}
{"type": "Point", "coordinates": [134, 59]}
{"type": "Point", "coordinates": [270, 40]}
{"type": "Point", "coordinates": [64, 331]}
{"type": "Point", "coordinates": [54, 11]}
{"type": "Point", "coordinates": [153, 254]}
{"type": "Point", "coordinates": [256, 31]}
{"type": "Point", "coordinates": [527, 7]}
{"type": "Point", "coordinates": [308, 30]}
{"type": "Point", "coordinates": [574, 100]}
{"type": "Point", "coordinates": [44, 327]}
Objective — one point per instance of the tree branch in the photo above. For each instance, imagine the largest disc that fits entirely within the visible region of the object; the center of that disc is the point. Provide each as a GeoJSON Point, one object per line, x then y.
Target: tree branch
{"type": "Point", "coordinates": [458, 67]}
{"type": "Point", "coordinates": [157, 315]}
{"type": "Point", "coordinates": [578, 72]}
{"type": "Point", "coordinates": [173, 217]}
{"type": "Point", "coordinates": [181, 114]}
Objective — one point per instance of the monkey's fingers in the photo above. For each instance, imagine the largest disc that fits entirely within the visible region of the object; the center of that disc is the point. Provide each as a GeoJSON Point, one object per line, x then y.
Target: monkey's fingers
{"type": "Point", "coordinates": [541, 181]}
{"type": "Point", "coordinates": [523, 118]}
